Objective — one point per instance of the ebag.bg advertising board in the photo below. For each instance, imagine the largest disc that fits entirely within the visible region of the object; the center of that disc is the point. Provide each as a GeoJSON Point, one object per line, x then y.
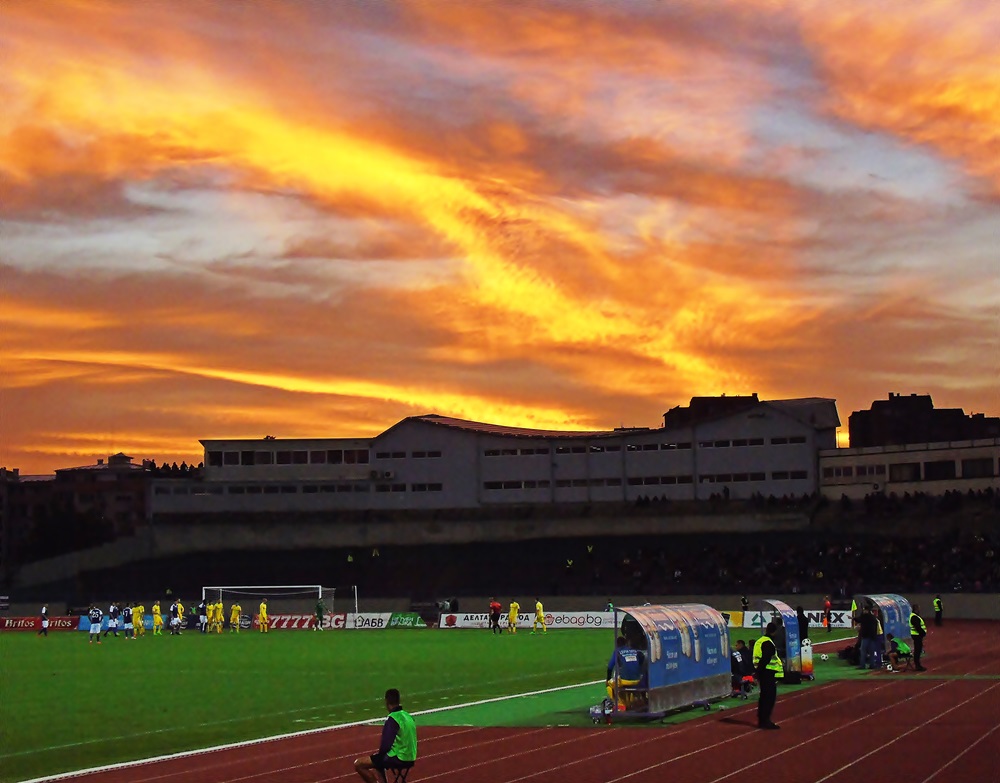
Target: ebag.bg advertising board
{"type": "Point", "coordinates": [552, 620]}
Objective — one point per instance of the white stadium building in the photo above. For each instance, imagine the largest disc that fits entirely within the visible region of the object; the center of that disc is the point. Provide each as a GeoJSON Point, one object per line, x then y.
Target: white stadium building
{"type": "Point", "coordinates": [736, 447]}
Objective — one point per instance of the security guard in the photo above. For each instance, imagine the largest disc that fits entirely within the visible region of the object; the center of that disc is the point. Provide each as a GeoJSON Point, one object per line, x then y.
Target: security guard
{"type": "Point", "coordinates": [768, 668]}
{"type": "Point", "coordinates": [938, 610]}
{"type": "Point", "coordinates": [918, 630]}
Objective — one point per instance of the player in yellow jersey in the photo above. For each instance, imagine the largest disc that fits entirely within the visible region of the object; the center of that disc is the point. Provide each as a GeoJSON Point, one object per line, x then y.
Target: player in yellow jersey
{"type": "Point", "coordinates": [220, 617]}
{"type": "Point", "coordinates": [138, 620]}
{"type": "Point", "coordinates": [157, 619]}
{"type": "Point", "coordinates": [539, 618]}
{"type": "Point", "coordinates": [180, 616]}
{"type": "Point", "coordinates": [515, 607]}
{"type": "Point", "coordinates": [262, 616]}
{"type": "Point", "coordinates": [234, 618]}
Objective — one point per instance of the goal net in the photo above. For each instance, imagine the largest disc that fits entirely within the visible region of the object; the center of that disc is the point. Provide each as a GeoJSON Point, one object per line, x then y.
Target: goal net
{"type": "Point", "coordinates": [283, 599]}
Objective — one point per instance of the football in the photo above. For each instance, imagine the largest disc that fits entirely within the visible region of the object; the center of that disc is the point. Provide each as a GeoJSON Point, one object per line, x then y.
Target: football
{"type": "Point", "coordinates": [824, 657]}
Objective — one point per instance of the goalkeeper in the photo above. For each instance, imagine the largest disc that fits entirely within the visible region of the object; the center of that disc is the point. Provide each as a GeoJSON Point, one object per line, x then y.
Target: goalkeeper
{"type": "Point", "coordinates": [320, 613]}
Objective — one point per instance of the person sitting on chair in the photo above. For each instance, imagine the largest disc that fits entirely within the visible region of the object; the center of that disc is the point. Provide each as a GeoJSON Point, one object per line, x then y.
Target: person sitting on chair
{"type": "Point", "coordinates": [897, 648]}
{"type": "Point", "coordinates": [629, 662]}
{"type": "Point", "coordinates": [398, 749]}
{"type": "Point", "coordinates": [740, 665]}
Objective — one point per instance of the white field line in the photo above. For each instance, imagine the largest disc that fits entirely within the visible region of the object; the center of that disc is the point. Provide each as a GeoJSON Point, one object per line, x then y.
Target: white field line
{"type": "Point", "coordinates": [303, 733]}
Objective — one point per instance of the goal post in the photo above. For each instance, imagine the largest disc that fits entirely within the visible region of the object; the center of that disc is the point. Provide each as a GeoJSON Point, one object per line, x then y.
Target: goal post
{"type": "Point", "coordinates": [305, 596]}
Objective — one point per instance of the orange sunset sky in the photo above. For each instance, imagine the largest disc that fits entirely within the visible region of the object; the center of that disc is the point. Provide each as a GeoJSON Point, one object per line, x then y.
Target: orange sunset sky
{"type": "Point", "coordinates": [233, 219]}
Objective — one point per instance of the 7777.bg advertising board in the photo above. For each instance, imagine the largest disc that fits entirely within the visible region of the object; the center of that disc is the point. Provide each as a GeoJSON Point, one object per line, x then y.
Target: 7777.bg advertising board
{"type": "Point", "coordinates": [553, 620]}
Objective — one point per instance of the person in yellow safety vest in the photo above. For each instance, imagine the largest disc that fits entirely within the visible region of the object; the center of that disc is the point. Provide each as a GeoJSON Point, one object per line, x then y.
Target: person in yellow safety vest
{"type": "Point", "coordinates": [767, 667]}
{"type": "Point", "coordinates": [854, 613]}
{"type": "Point", "coordinates": [918, 630]}
{"type": "Point", "coordinates": [938, 610]}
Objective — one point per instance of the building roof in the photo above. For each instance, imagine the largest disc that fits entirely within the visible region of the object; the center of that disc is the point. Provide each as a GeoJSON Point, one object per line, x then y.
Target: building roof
{"type": "Point", "coordinates": [499, 429]}
{"type": "Point", "coordinates": [818, 412]}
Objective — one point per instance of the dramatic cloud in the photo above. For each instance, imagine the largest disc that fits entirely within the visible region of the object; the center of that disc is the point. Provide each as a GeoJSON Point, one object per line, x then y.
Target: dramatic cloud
{"type": "Point", "coordinates": [315, 219]}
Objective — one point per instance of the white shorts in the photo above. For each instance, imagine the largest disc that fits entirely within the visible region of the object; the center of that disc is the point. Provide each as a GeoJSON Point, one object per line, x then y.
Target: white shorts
{"type": "Point", "coordinates": [45, 623]}
{"type": "Point", "coordinates": [203, 619]}
{"type": "Point", "coordinates": [174, 622]}
{"type": "Point", "coordinates": [95, 627]}
{"type": "Point", "coordinates": [128, 626]}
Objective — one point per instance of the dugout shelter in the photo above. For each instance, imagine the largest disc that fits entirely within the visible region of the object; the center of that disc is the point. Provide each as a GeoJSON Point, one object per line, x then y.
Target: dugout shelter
{"type": "Point", "coordinates": [895, 612]}
{"type": "Point", "coordinates": [772, 607]}
{"type": "Point", "coordinates": [686, 648]}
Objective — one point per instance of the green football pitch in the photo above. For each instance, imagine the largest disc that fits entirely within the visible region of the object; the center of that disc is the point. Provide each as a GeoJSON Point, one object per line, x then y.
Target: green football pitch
{"type": "Point", "coordinates": [66, 704]}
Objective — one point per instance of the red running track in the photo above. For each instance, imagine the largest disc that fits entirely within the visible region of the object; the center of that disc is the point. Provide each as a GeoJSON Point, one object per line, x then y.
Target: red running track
{"type": "Point", "coordinates": [940, 726]}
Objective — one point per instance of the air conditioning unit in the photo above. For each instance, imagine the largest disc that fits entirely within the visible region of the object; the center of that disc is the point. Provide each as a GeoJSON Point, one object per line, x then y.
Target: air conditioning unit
{"type": "Point", "coordinates": [388, 474]}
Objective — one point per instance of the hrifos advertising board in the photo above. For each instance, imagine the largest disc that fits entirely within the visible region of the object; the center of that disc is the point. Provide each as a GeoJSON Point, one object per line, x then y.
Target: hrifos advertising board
{"type": "Point", "coordinates": [526, 619]}
{"type": "Point", "coordinates": [35, 623]}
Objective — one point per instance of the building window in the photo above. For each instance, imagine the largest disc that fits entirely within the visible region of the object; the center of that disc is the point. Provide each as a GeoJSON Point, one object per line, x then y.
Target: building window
{"type": "Point", "coordinates": [237, 490]}
{"type": "Point", "coordinates": [317, 457]}
{"type": "Point", "coordinates": [757, 477]}
{"type": "Point", "coordinates": [940, 470]}
{"type": "Point", "coordinates": [271, 490]}
{"type": "Point", "coordinates": [613, 447]}
{"type": "Point", "coordinates": [335, 456]}
{"type": "Point", "coordinates": [904, 471]}
{"type": "Point", "coordinates": [722, 444]}
{"type": "Point", "coordinates": [246, 458]}
{"type": "Point", "coordinates": [263, 458]}
{"type": "Point", "coordinates": [310, 489]}
{"type": "Point", "coordinates": [741, 477]}
{"type": "Point", "coordinates": [562, 449]}
{"type": "Point", "coordinates": [779, 441]}
{"type": "Point", "coordinates": [288, 489]}
{"type": "Point", "coordinates": [492, 485]}
{"type": "Point", "coordinates": [563, 483]}
{"type": "Point", "coordinates": [215, 459]}
{"type": "Point", "coordinates": [614, 482]}
{"type": "Point", "coordinates": [779, 475]}
{"type": "Point", "coordinates": [283, 458]}
{"type": "Point", "coordinates": [740, 442]}
{"type": "Point", "coordinates": [634, 481]}
{"type": "Point", "coordinates": [508, 452]}
{"type": "Point", "coordinates": [980, 467]}
{"type": "Point", "coordinates": [799, 475]}
{"type": "Point", "coordinates": [300, 457]}
{"type": "Point", "coordinates": [705, 444]}
{"type": "Point", "coordinates": [797, 439]}
{"type": "Point", "coordinates": [755, 442]}
{"type": "Point", "coordinates": [161, 491]}
{"type": "Point", "coordinates": [828, 472]}
{"type": "Point", "coordinates": [255, 489]}
{"type": "Point", "coordinates": [492, 452]}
